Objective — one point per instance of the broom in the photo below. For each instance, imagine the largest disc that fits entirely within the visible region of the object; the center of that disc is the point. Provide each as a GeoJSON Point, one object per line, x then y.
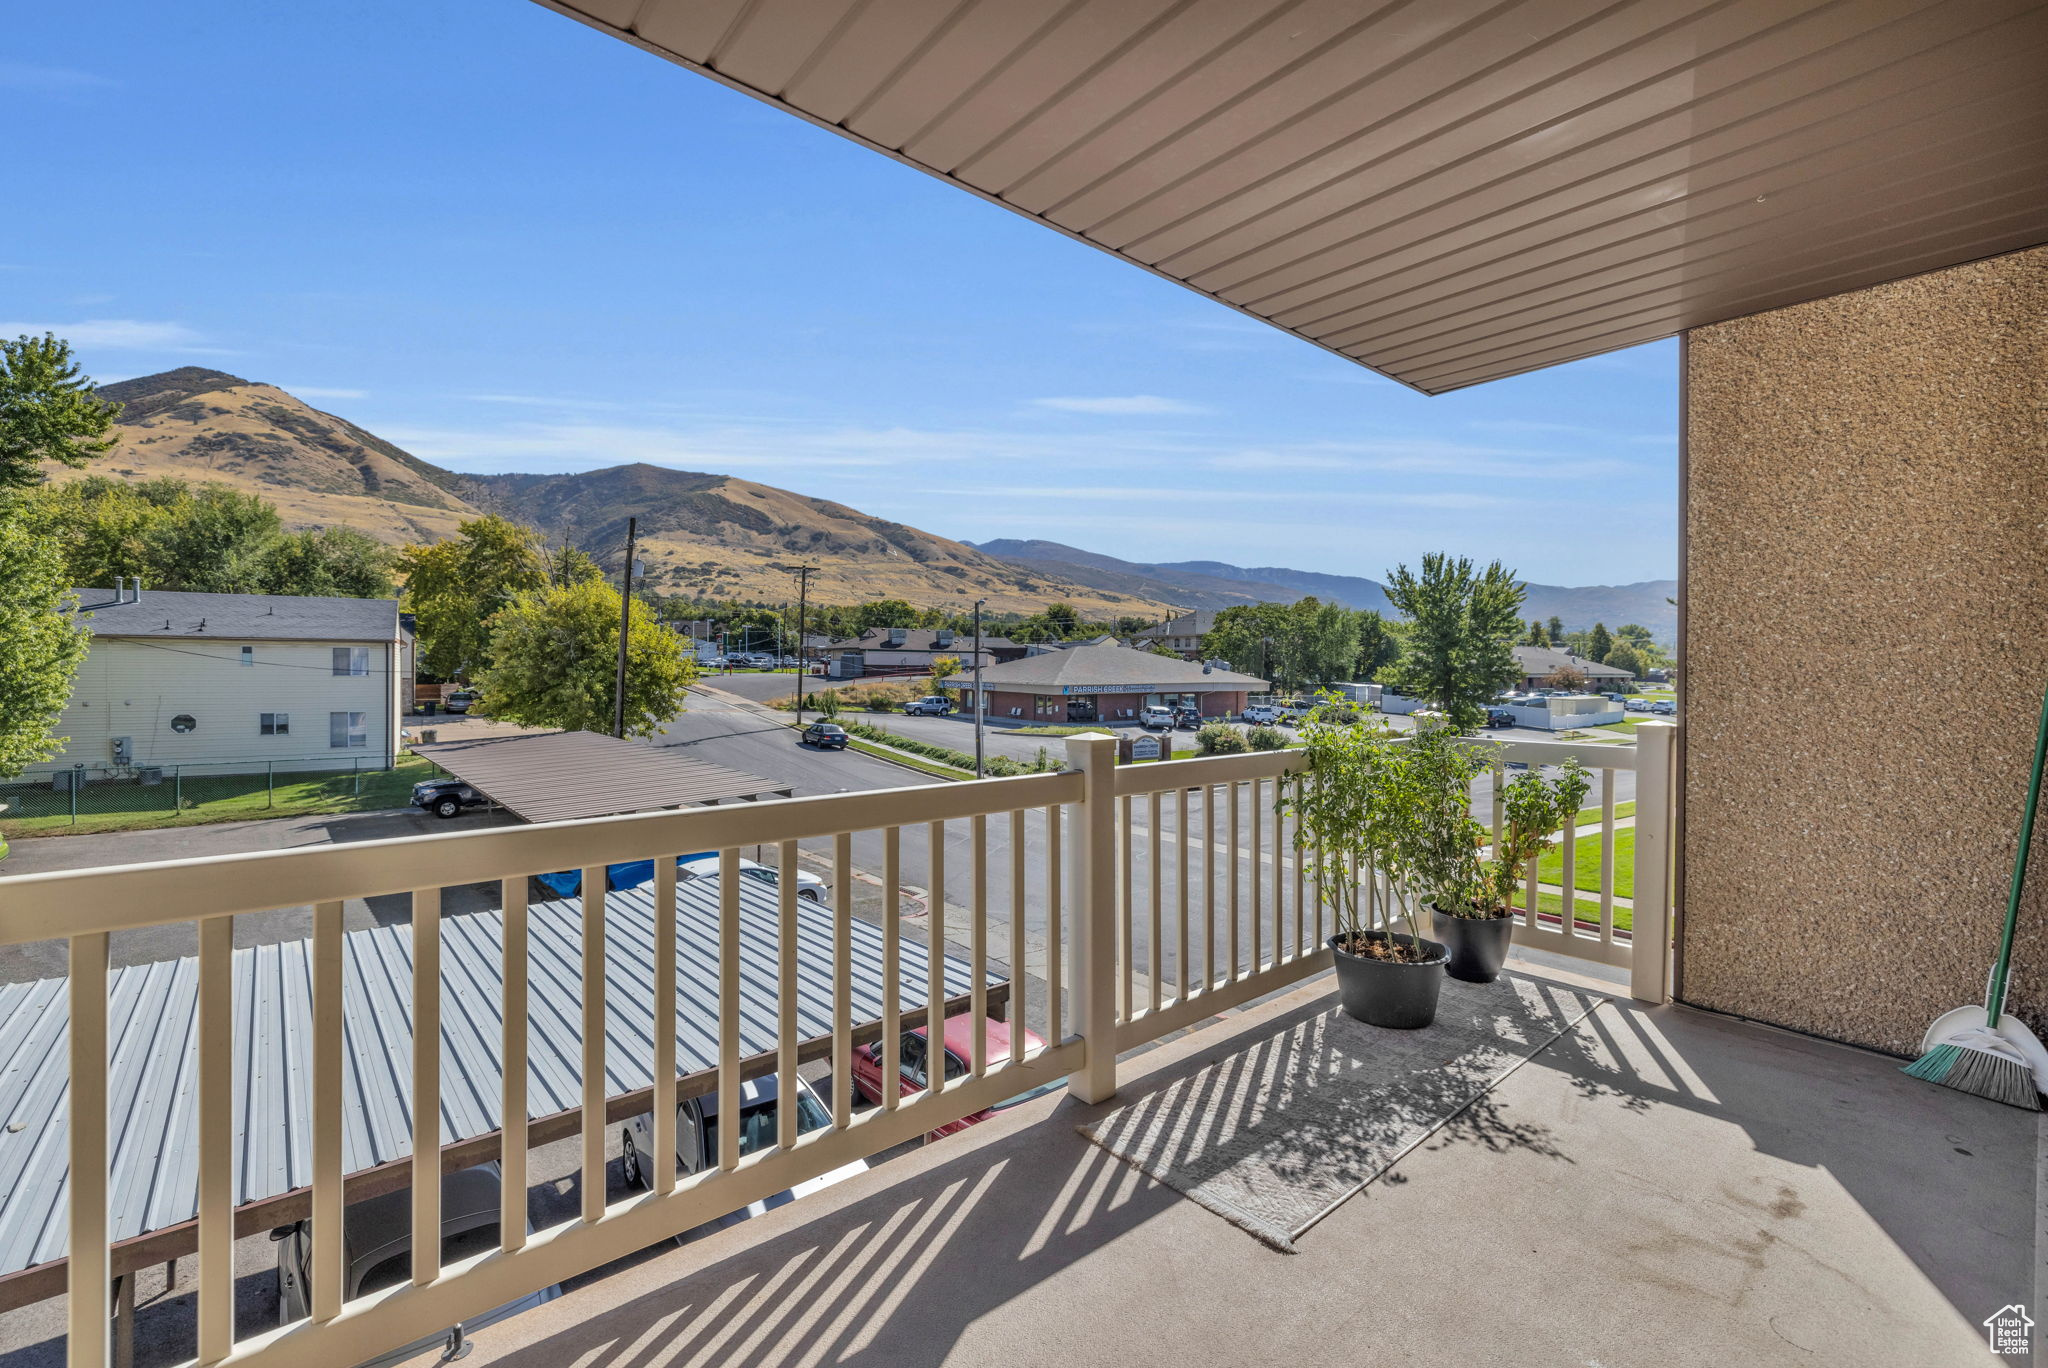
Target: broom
{"type": "Point", "coordinates": [1996, 1059]}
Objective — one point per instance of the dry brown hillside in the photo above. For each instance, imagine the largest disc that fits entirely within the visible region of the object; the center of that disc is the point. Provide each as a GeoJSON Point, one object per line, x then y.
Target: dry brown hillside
{"type": "Point", "coordinates": [701, 534]}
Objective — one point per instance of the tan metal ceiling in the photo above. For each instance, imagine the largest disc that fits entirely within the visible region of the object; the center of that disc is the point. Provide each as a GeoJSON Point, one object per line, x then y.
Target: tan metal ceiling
{"type": "Point", "coordinates": [1448, 191]}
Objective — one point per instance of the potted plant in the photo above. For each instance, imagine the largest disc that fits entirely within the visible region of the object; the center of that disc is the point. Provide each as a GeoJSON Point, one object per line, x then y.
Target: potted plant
{"type": "Point", "coordinates": [1473, 898]}
{"type": "Point", "coordinates": [1373, 800]}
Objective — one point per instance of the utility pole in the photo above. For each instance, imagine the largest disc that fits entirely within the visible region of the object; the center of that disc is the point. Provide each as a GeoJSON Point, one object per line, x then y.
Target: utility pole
{"type": "Point", "coordinates": [803, 585]}
{"type": "Point", "coordinates": [980, 700]}
{"type": "Point", "coordinates": [625, 626]}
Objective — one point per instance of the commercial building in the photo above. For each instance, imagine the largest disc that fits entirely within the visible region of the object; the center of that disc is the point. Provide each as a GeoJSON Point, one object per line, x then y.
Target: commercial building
{"type": "Point", "coordinates": [1535, 664]}
{"type": "Point", "coordinates": [233, 682]}
{"type": "Point", "coordinates": [1104, 683]}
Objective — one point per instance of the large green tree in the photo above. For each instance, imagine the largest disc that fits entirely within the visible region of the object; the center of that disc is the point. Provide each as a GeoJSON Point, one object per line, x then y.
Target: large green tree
{"type": "Point", "coordinates": [49, 411]}
{"type": "Point", "coordinates": [1462, 624]}
{"type": "Point", "coordinates": [1599, 642]}
{"type": "Point", "coordinates": [332, 562]}
{"type": "Point", "coordinates": [455, 587]}
{"type": "Point", "coordinates": [1378, 645]}
{"type": "Point", "coordinates": [41, 643]}
{"type": "Point", "coordinates": [1623, 656]}
{"type": "Point", "coordinates": [554, 656]}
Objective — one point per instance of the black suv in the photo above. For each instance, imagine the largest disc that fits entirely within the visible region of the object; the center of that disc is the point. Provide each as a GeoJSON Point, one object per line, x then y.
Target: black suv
{"type": "Point", "coordinates": [1499, 717]}
{"type": "Point", "coordinates": [446, 797]}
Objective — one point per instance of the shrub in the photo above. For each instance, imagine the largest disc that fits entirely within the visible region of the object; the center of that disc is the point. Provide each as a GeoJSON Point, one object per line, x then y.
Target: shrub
{"type": "Point", "coordinates": [1220, 738]}
{"type": "Point", "coordinates": [1264, 738]}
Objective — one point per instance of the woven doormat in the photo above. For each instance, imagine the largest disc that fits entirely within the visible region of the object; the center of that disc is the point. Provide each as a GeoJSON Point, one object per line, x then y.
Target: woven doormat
{"type": "Point", "coordinates": [1277, 1136]}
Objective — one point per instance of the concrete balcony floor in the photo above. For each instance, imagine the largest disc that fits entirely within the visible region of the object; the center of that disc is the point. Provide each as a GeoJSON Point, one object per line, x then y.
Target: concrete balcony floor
{"type": "Point", "coordinates": [1661, 1186]}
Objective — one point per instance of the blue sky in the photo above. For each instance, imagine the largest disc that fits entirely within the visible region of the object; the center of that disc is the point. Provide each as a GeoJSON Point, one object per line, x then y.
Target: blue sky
{"type": "Point", "coordinates": [507, 242]}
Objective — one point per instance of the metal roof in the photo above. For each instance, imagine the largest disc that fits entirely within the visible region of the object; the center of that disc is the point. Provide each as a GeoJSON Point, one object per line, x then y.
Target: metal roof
{"type": "Point", "coordinates": [170, 614]}
{"type": "Point", "coordinates": [1543, 660]}
{"type": "Point", "coordinates": [152, 1017]}
{"type": "Point", "coordinates": [557, 776]}
{"type": "Point", "coordinates": [1106, 665]}
{"type": "Point", "coordinates": [1448, 192]}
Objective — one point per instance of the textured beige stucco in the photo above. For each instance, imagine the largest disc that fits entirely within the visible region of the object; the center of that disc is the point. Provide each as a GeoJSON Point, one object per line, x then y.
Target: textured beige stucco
{"type": "Point", "coordinates": [1866, 644]}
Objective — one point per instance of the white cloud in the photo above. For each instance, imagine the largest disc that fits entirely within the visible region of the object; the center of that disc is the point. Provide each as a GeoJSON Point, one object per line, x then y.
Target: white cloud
{"type": "Point", "coordinates": [322, 392]}
{"type": "Point", "coordinates": [125, 334]}
{"type": "Point", "coordinates": [1120, 404]}
{"type": "Point", "coordinates": [48, 80]}
{"type": "Point", "coordinates": [1161, 494]}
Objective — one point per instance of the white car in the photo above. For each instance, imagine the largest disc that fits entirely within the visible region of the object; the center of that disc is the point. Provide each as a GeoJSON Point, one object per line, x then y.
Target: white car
{"type": "Point", "coordinates": [697, 1120]}
{"type": "Point", "coordinates": [1156, 719]}
{"type": "Point", "coordinates": [1262, 714]}
{"type": "Point", "coordinates": [808, 885]}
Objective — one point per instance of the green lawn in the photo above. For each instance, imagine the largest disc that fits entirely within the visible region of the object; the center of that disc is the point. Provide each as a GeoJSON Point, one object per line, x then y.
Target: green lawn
{"type": "Point", "coordinates": [201, 799]}
{"type": "Point", "coordinates": [1550, 868]}
{"type": "Point", "coordinates": [1591, 816]}
{"type": "Point", "coordinates": [1589, 910]}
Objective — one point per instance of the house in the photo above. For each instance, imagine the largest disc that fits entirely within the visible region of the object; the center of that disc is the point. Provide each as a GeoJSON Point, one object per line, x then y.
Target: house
{"type": "Point", "coordinates": [887, 650]}
{"type": "Point", "coordinates": [1106, 682]}
{"type": "Point", "coordinates": [1182, 634]}
{"type": "Point", "coordinates": [1535, 664]}
{"type": "Point", "coordinates": [234, 682]}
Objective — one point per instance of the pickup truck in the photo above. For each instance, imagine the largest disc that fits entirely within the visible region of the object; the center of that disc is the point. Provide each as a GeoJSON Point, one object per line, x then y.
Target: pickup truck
{"type": "Point", "coordinates": [1262, 714]}
{"type": "Point", "coordinates": [931, 705]}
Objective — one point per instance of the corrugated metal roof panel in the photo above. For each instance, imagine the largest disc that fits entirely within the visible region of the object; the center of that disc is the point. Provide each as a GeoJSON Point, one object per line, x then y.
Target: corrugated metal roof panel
{"type": "Point", "coordinates": [1448, 193]}
{"type": "Point", "coordinates": [560, 776]}
{"type": "Point", "coordinates": [153, 1014]}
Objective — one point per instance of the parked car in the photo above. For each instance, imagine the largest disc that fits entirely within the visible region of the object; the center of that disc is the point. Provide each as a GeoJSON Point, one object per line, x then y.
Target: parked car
{"type": "Point", "coordinates": [1664, 706]}
{"type": "Point", "coordinates": [1156, 718]}
{"type": "Point", "coordinates": [461, 701]}
{"type": "Point", "coordinates": [1636, 704]}
{"type": "Point", "coordinates": [1499, 717]}
{"type": "Point", "coordinates": [376, 1252]}
{"type": "Point", "coordinates": [697, 1121]}
{"type": "Point", "coordinates": [931, 705]}
{"type": "Point", "coordinates": [825, 736]}
{"type": "Point", "coordinates": [446, 797]}
{"type": "Point", "coordinates": [1187, 718]}
{"type": "Point", "coordinates": [1262, 714]}
{"type": "Point", "coordinates": [957, 1046]}
{"type": "Point", "coordinates": [808, 885]}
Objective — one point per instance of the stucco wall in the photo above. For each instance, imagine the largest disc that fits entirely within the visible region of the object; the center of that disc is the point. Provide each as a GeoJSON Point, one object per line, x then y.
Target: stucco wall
{"type": "Point", "coordinates": [1866, 641]}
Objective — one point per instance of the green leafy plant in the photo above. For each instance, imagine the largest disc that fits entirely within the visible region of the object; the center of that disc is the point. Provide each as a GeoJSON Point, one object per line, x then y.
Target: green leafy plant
{"type": "Point", "coordinates": [1220, 738]}
{"type": "Point", "coordinates": [1532, 810]}
{"type": "Point", "coordinates": [1265, 738]}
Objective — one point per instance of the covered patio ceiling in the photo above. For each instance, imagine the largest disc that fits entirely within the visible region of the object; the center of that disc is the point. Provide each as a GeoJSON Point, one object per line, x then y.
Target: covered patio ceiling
{"type": "Point", "coordinates": [1447, 192]}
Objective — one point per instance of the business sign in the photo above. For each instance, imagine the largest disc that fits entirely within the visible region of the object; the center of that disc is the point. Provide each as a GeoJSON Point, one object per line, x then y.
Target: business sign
{"type": "Point", "coordinates": [1145, 748]}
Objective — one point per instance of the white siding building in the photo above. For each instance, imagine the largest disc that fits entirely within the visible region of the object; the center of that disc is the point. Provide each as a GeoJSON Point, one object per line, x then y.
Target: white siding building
{"type": "Point", "coordinates": [235, 682]}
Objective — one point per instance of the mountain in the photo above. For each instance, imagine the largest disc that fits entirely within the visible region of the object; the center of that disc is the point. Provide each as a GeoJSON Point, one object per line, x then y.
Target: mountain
{"type": "Point", "coordinates": [700, 533]}
{"type": "Point", "coordinates": [1218, 584]}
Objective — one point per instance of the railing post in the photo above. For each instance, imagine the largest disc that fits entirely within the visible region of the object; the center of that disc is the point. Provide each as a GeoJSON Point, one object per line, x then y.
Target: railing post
{"type": "Point", "coordinates": [1656, 793]}
{"type": "Point", "coordinates": [1091, 873]}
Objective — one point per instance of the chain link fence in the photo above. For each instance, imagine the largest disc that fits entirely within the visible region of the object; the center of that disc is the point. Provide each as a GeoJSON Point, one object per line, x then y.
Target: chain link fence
{"type": "Point", "coordinates": [76, 795]}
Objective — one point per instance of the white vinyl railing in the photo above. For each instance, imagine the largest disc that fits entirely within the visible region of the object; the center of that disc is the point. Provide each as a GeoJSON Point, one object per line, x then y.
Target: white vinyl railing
{"type": "Point", "coordinates": [1165, 893]}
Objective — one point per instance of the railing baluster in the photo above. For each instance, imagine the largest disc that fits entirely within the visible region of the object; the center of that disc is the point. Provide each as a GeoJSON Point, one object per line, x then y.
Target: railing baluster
{"type": "Point", "coordinates": [785, 995]}
{"type": "Point", "coordinates": [1235, 855]}
{"type": "Point", "coordinates": [1152, 839]}
{"type": "Point", "coordinates": [1125, 911]}
{"type": "Point", "coordinates": [593, 1042]}
{"type": "Point", "coordinates": [327, 1261]}
{"type": "Point", "coordinates": [842, 981]}
{"type": "Point", "coordinates": [1531, 894]}
{"type": "Point", "coordinates": [1054, 1033]}
{"type": "Point", "coordinates": [661, 1164]}
{"type": "Point", "coordinates": [1253, 870]}
{"type": "Point", "coordinates": [729, 1009]}
{"type": "Point", "coordinates": [91, 1264]}
{"type": "Point", "coordinates": [512, 1052]}
{"type": "Point", "coordinates": [977, 937]}
{"type": "Point", "coordinates": [1606, 857]}
{"type": "Point", "coordinates": [426, 1081]}
{"type": "Point", "coordinates": [1180, 843]}
{"type": "Point", "coordinates": [1279, 873]}
{"type": "Point", "coordinates": [216, 1107]}
{"type": "Point", "coordinates": [1302, 945]}
{"type": "Point", "coordinates": [935, 967]}
{"type": "Point", "coordinates": [1208, 887]}
{"type": "Point", "coordinates": [1568, 875]}
{"type": "Point", "coordinates": [1015, 1011]}
{"type": "Point", "coordinates": [891, 1043]}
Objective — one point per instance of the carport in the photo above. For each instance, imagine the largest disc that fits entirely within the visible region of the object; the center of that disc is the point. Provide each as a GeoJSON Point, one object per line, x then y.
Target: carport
{"type": "Point", "coordinates": [561, 776]}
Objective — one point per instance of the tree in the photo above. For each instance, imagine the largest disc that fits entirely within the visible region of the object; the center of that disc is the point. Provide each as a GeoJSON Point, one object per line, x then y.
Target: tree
{"type": "Point", "coordinates": [1624, 656]}
{"type": "Point", "coordinates": [945, 667]}
{"type": "Point", "coordinates": [1462, 625]}
{"type": "Point", "coordinates": [49, 411]}
{"type": "Point", "coordinates": [1378, 645]}
{"type": "Point", "coordinates": [331, 562]}
{"type": "Point", "coordinates": [208, 540]}
{"type": "Point", "coordinates": [1556, 629]}
{"type": "Point", "coordinates": [1598, 642]}
{"type": "Point", "coordinates": [1535, 635]}
{"type": "Point", "coordinates": [553, 655]}
{"type": "Point", "coordinates": [886, 613]}
{"type": "Point", "coordinates": [41, 644]}
{"type": "Point", "coordinates": [455, 587]}
{"type": "Point", "coordinates": [1158, 647]}
{"type": "Point", "coordinates": [570, 565]}
{"type": "Point", "coordinates": [1567, 679]}
{"type": "Point", "coordinates": [1246, 636]}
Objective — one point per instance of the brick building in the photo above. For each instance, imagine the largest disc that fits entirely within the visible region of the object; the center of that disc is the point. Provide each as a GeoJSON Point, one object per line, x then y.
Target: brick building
{"type": "Point", "coordinates": [1106, 683]}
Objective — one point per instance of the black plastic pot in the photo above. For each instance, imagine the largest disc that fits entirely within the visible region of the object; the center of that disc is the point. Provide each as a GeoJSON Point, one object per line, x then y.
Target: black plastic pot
{"type": "Point", "coordinates": [1478, 945]}
{"type": "Point", "coordinates": [1389, 993]}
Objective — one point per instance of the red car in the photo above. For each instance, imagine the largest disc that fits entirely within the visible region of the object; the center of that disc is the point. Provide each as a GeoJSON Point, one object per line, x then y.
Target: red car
{"type": "Point", "coordinates": [959, 1050]}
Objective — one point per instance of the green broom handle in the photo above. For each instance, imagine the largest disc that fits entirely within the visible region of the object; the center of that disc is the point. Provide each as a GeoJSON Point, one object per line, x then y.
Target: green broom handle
{"type": "Point", "coordinates": [1995, 1002]}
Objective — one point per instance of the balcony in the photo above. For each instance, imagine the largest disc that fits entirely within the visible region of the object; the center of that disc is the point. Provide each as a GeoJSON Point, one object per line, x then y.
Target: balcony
{"type": "Point", "coordinates": [1588, 1174]}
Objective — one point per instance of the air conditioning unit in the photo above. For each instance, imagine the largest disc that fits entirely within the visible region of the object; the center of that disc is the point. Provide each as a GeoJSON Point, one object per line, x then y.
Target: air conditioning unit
{"type": "Point", "coordinates": [150, 774]}
{"type": "Point", "coordinates": [63, 781]}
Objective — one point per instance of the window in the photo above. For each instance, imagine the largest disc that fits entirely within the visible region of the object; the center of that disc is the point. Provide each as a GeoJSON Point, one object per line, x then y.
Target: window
{"type": "Point", "coordinates": [275, 724]}
{"type": "Point", "coordinates": [248, 655]}
{"type": "Point", "coordinates": [1044, 704]}
{"type": "Point", "coordinates": [351, 660]}
{"type": "Point", "coordinates": [348, 731]}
